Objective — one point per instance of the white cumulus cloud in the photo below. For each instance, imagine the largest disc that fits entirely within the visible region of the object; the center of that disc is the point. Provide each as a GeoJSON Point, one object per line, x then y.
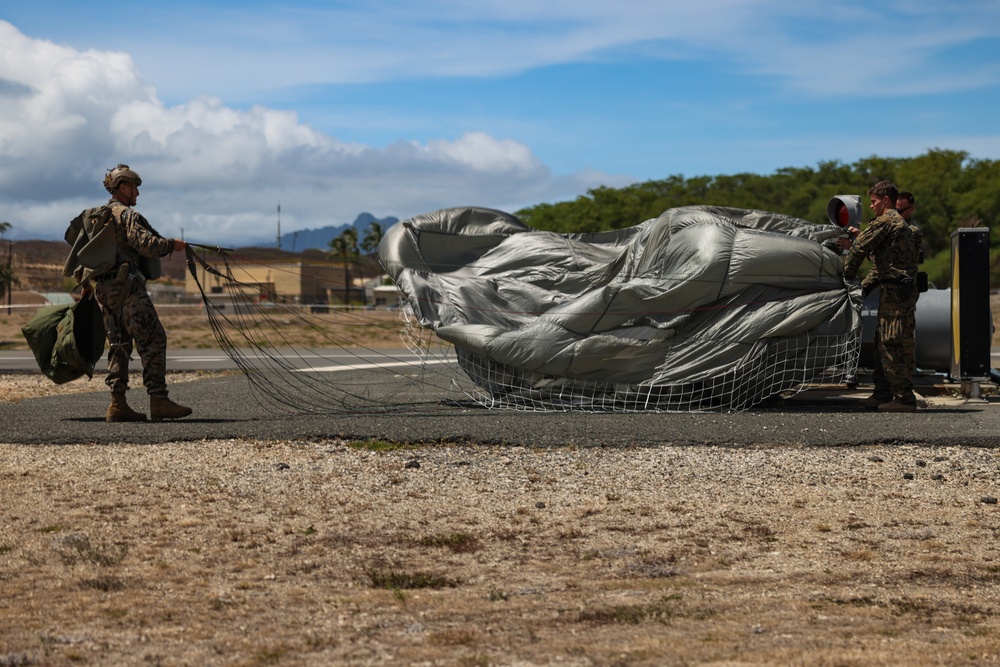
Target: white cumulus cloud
{"type": "Point", "coordinates": [218, 172]}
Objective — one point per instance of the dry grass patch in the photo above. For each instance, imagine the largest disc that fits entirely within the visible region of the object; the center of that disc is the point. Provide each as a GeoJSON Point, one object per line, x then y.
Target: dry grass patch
{"type": "Point", "coordinates": [188, 328]}
{"type": "Point", "coordinates": [207, 553]}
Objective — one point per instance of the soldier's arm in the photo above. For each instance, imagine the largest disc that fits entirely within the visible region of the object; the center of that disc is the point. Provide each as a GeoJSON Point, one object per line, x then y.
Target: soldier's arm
{"type": "Point", "coordinates": [143, 238]}
{"type": "Point", "coordinates": [863, 246]}
{"type": "Point", "coordinates": [855, 256]}
{"type": "Point", "coordinates": [870, 281]}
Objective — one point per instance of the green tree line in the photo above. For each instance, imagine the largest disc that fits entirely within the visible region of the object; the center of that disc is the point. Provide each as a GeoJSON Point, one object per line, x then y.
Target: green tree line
{"type": "Point", "coordinates": [951, 191]}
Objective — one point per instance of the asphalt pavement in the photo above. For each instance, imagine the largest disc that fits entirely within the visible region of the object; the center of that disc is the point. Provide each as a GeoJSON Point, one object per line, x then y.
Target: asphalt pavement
{"type": "Point", "coordinates": [226, 408]}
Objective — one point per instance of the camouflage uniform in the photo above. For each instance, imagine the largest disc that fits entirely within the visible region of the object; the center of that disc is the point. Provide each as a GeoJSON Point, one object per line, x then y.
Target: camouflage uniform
{"type": "Point", "coordinates": [129, 314]}
{"type": "Point", "coordinates": [918, 239]}
{"type": "Point", "coordinates": [890, 244]}
{"type": "Point", "coordinates": [872, 280]}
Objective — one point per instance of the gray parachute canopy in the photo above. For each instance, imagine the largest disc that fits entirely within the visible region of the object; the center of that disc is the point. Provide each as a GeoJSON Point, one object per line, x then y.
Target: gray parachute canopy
{"type": "Point", "coordinates": [701, 308]}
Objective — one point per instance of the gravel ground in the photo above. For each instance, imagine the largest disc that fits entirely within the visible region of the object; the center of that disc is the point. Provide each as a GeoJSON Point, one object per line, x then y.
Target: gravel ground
{"type": "Point", "coordinates": [324, 551]}
{"type": "Point", "coordinates": [15, 387]}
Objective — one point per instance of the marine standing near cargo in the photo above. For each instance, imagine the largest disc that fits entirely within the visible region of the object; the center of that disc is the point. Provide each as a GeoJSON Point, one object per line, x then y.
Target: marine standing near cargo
{"type": "Point", "coordinates": [889, 242]}
{"type": "Point", "coordinates": [129, 314]}
{"type": "Point", "coordinates": [905, 205]}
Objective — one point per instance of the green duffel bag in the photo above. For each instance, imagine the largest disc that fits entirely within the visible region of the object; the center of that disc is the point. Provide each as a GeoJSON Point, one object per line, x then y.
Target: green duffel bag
{"type": "Point", "coordinates": [67, 340]}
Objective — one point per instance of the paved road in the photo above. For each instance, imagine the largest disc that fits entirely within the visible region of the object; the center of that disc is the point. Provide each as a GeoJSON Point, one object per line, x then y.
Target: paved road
{"type": "Point", "coordinates": [226, 408]}
{"type": "Point", "coordinates": [216, 360]}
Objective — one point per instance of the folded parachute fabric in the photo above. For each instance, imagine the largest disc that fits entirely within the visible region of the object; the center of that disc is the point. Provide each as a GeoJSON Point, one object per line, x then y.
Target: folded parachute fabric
{"type": "Point", "coordinates": [67, 340]}
{"type": "Point", "coordinates": [702, 308]}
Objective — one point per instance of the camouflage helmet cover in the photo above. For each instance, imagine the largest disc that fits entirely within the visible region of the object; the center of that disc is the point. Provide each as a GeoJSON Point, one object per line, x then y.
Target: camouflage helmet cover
{"type": "Point", "coordinates": [119, 174]}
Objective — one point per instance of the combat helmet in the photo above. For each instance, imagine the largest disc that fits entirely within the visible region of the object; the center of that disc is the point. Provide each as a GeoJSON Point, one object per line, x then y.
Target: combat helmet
{"type": "Point", "coordinates": [120, 173]}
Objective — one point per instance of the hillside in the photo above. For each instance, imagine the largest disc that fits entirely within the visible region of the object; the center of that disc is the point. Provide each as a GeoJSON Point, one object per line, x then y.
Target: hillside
{"type": "Point", "coordinates": [38, 265]}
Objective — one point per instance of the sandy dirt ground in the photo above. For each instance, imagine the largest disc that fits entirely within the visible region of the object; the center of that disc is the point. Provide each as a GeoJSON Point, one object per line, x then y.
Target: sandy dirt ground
{"type": "Point", "coordinates": [256, 553]}
{"type": "Point", "coordinates": [249, 552]}
{"type": "Point", "coordinates": [188, 327]}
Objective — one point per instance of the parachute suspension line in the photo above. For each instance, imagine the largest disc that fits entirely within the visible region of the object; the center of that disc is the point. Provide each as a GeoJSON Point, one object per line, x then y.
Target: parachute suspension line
{"type": "Point", "coordinates": [311, 375]}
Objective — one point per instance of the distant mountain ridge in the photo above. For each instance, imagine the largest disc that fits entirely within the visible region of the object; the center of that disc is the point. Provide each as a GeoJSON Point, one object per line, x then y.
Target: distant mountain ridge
{"type": "Point", "coordinates": [305, 239]}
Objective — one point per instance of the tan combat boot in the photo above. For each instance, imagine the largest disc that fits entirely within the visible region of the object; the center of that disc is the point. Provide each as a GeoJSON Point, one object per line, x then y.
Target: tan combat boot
{"type": "Point", "coordinates": [876, 400]}
{"type": "Point", "coordinates": [161, 407]}
{"type": "Point", "coordinates": [898, 405]}
{"type": "Point", "coordinates": [119, 411]}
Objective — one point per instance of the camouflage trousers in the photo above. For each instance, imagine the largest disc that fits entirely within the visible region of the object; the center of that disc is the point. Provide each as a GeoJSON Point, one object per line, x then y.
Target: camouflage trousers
{"type": "Point", "coordinates": [895, 343]}
{"type": "Point", "coordinates": [129, 315]}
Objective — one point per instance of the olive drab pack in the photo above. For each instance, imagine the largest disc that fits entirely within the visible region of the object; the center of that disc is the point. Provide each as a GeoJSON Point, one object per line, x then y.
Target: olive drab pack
{"type": "Point", "coordinates": [67, 340]}
{"type": "Point", "coordinates": [94, 240]}
{"type": "Point", "coordinates": [94, 244]}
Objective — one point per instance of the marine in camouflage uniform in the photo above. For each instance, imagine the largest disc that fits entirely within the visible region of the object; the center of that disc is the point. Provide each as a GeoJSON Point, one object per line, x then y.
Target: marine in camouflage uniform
{"type": "Point", "coordinates": [905, 205]}
{"type": "Point", "coordinates": [129, 314]}
{"type": "Point", "coordinates": [889, 242]}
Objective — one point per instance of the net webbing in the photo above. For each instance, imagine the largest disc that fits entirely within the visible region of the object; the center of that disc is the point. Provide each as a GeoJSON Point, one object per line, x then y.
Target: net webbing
{"type": "Point", "coordinates": [336, 371]}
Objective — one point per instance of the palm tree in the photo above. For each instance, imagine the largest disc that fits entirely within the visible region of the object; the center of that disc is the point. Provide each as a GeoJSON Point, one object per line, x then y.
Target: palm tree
{"type": "Point", "coordinates": [345, 248]}
{"type": "Point", "coordinates": [7, 280]}
{"type": "Point", "coordinates": [372, 238]}
{"type": "Point", "coordinates": [7, 277]}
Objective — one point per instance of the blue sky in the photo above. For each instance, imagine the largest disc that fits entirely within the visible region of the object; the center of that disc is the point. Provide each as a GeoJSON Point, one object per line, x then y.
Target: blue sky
{"type": "Point", "coordinates": [397, 107]}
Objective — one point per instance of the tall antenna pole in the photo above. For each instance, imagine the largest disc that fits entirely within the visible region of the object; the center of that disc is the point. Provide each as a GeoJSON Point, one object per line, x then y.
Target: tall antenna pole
{"type": "Point", "coordinates": [279, 225]}
{"type": "Point", "coordinates": [10, 271]}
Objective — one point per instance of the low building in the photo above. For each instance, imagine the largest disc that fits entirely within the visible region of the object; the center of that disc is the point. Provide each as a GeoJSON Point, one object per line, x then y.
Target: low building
{"type": "Point", "coordinates": [305, 282]}
{"type": "Point", "coordinates": [385, 296]}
